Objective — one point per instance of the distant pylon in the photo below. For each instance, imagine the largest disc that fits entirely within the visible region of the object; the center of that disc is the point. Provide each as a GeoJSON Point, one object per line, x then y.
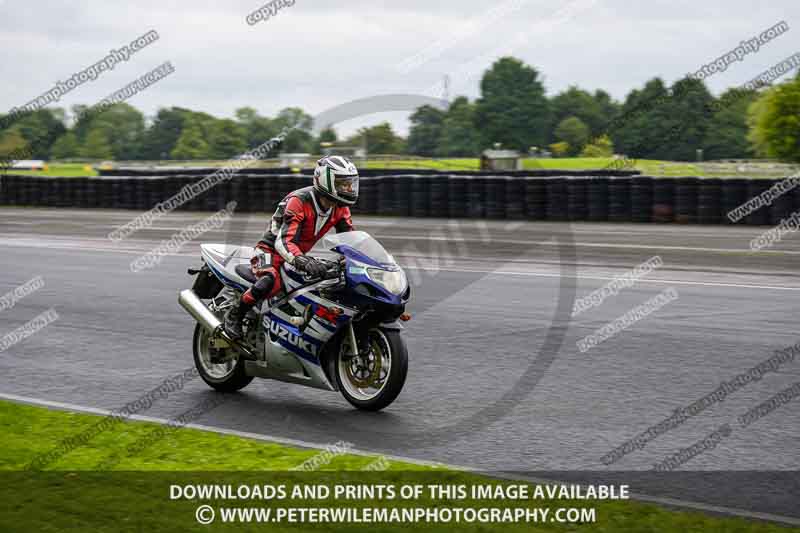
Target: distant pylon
{"type": "Point", "coordinates": [446, 89]}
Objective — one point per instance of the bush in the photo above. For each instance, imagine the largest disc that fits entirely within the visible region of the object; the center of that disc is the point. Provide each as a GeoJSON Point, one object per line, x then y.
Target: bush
{"type": "Point", "coordinates": [600, 147]}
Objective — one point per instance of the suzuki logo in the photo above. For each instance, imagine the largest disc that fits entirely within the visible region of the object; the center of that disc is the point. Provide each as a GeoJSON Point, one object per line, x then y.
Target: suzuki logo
{"type": "Point", "coordinates": [281, 332]}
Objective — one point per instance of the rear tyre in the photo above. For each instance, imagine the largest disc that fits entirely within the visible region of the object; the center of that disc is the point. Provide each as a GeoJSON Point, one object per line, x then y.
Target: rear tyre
{"type": "Point", "coordinates": [224, 377]}
{"type": "Point", "coordinates": [373, 381]}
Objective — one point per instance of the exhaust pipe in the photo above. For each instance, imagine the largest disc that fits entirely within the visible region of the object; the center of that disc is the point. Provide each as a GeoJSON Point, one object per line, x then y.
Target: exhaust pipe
{"type": "Point", "coordinates": [203, 315]}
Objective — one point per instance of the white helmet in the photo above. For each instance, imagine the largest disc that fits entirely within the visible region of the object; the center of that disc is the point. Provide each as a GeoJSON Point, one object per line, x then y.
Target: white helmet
{"type": "Point", "coordinates": [337, 178]}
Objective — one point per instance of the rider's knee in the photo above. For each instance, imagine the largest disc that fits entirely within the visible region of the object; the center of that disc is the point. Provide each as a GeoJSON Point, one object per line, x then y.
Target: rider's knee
{"type": "Point", "coordinates": [263, 287]}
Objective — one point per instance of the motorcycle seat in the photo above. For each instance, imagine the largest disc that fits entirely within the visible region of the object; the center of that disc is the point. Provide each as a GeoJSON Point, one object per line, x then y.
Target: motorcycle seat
{"type": "Point", "coordinates": [244, 271]}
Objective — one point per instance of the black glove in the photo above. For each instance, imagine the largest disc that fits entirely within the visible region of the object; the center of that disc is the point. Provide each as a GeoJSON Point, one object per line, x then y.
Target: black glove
{"type": "Point", "coordinates": [310, 266]}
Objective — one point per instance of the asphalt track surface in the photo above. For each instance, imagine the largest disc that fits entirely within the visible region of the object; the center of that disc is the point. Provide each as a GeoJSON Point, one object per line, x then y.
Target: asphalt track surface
{"type": "Point", "coordinates": [496, 381]}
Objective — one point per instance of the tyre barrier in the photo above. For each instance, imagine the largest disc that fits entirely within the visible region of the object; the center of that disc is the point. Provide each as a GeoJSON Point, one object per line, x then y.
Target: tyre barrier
{"type": "Point", "coordinates": [641, 199]}
{"type": "Point", "coordinates": [619, 201]}
{"type": "Point", "coordinates": [578, 199]}
{"type": "Point", "coordinates": [561, 197]}
{"type": "Point", "coordinates": [663, 200]}
{"type": "Point", "coordinates": [709, 202]}
{"type": "Point", "coordinates": [535, 199]}
{"type": "Point", "coordinates": [686, 200]}
{"type": "Point", "coordinates": [734, 194]}
{"type": "Point", "coordinates": [760, 216]}
{"type": "Point", "coordinates": [155, 171]}
{"type": "Point", "coordinates": [597, 200]}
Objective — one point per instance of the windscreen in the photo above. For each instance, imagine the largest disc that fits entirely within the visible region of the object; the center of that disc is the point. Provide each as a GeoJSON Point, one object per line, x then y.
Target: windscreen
{"type": "Point", "coordinates": [359, 240]}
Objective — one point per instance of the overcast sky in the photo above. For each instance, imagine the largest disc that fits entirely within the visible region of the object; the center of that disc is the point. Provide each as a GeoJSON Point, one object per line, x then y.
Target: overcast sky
{"type": "Point", "coordinates": [317, 54]}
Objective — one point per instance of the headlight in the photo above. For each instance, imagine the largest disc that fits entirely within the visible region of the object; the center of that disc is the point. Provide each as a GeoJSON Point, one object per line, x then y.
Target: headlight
{"type": "Point", "coordinates": [393, 281]}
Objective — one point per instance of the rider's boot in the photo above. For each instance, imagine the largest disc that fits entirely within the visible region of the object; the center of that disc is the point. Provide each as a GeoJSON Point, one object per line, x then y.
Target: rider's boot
{"type": "Point", "coordinates": [235, 316]}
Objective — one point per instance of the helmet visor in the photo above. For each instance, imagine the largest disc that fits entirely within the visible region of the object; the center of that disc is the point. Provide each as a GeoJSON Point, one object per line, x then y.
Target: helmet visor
{"type": "Point", "coordinates": [346, 187]}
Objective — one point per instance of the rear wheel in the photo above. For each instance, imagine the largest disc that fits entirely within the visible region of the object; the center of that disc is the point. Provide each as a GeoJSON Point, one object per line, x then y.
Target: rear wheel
{"type": "Point", "coordinates": [228, 376]}
{"type": "Point", "coordinates": [372, 380]}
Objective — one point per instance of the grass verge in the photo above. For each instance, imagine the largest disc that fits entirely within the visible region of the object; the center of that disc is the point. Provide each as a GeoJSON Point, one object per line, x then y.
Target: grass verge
{"type": "Point", "coordinates": [133, 494]}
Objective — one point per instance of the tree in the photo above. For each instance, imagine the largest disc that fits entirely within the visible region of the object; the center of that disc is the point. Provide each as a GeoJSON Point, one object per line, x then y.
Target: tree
{"type": "Point", "coordinates": [65, 147]}
{"type": "Point", "coordinates": [326, 136]}
{"type": "Point", "coordinates": [161, 136]}
{"type": "Point", "coordinates": [726, 137]}
{"type": "Point", "coordinates": [459, 137]}
{"type": "Point", "coordinates": [608, 109]}
{"type": "Point", "coordinates": [227, 140]}
{"type": "Point", "coordinates": [12, 143]}
{"type": "Point", "coordinates": [512, 109]}
{"type": "Point", "coordinates": [661, 123]}
{"type": "Point", "coordinates": [123, 126]}
{"type": "Point", "coordinates": [688, 117]}
{"type": "Point", "coordinates": [560, 149]}
{"type": "Point", "coordinates": [191, 144]}
{"type": "Point", "coordinates": [425, 131]}
{"type": "Point", "coordinates": [600, 147]}
{"type": "Point", "coordinates": [575, 102]}
{"type": "Point", "coordinates": [775, 122]}
{"type": "Point", "coordinates": [258, 129]}
{"type": "Point", "coordinates": [40, 129]}
{"type": "Point", "coordinates": [379, 139]}
{"type": "Point", "coordinates": [299, 123]}
{"type": "Point", "coordinates": [574, 132]}
{"type": "Point", "coordinates": [96, 145]}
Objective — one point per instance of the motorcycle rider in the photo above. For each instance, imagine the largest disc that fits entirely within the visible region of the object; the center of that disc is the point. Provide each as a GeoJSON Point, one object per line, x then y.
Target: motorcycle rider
{"type": "Point", "coordinates": [300, 220]}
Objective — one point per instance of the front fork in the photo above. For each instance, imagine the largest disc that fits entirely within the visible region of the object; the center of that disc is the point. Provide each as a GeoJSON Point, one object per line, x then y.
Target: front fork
{"type": "Point", "coordinates": [353, 342]}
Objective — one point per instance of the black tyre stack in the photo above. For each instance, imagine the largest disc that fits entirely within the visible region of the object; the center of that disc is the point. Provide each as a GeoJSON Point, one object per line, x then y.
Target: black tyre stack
{"type": "Point", "coordinates": [642, 199]}
{"type": "Point", "coordinates": [515, 198]}
{"type": "Point", "coordinates": [368, 196]}
{"type": "Point", "coordinates": [686, 200]}
{"type": "Point", "coordinates": [734, 194]}
{"type": "Point", "coordinates": [439, 206]}
{"type": "Point", "coordinates": [402, 196]}
{"type": "Point", "coordinates": [420, 197]}
{"type": "Point", "coordinates": [495, 197]}
{"type": "Point", "coordinates": [663, 200]}
{"type": "Point", "coordinates": [709, 201]}
{"type": "Point", "coordinates": [457, 196]}
{"type": "Point", "coordinates": [761, 216]}
{"type": "Point", "coordinates": [557, 199]}
{"type": "Point", "coordinates": [79, 196]}
{"type": "Point", "coordinates": [578, 198]}
{"type": "Point", "coordinates": [386, 196]}
{"type": "Point", "coordinates": [619, 199]}
{"type": "Point", "coordinates": [117, 192]}
{"type": "Point", "coordinates": [535, 199]}
{"type": "Point", "coordinates": [476, 197]}
{"type": "Point", "coordinates": [10, 190]}
{"type": "Point", "coordinates": [782, 206]}
{"type": "Point", "coordinates": [597, 199]}
{"type": "Point", "coordinates": [20, 187]}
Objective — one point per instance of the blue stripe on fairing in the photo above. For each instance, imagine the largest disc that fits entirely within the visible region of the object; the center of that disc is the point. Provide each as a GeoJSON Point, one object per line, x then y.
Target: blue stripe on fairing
{"type": "Point", "coordinates": [294, 331]}
{"type": "Point", "coordinates": [311, 358]}
{"type": "Point", "coordinates": [297, 351]}
{"type": "Point", "coordinates": [225, 280]}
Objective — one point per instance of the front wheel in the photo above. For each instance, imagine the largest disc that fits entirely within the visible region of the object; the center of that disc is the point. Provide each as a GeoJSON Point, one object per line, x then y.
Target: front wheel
{"type": "Point", "coordinates": [373, 379]}
{"type": "Point", "coordinates": [228, 376]}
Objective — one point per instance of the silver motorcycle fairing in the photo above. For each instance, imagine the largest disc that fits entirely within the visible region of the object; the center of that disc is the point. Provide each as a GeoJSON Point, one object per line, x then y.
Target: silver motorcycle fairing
{"type": "Point", "coordinates": [223, 259]}
{"type": "Point", "coordinates": [287, 353]}
{"type": "Point", "coordinates": [295, 351]}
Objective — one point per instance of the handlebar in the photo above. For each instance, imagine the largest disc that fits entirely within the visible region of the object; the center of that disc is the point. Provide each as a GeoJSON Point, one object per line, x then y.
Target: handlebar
{"type": "Point", "coordinates": [334, 268]}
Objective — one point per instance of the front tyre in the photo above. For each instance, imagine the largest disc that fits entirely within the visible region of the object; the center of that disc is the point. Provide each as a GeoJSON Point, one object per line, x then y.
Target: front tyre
{"type": "Point", "coordinates": [224, 377]}
{"type": "Point", "coordinates": [372, 380]}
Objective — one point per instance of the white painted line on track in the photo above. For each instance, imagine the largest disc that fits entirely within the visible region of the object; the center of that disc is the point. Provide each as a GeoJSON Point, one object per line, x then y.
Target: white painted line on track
{"type": "Point", "coordinates": [672, 502]}
{"type": "Point", "coordinates": [610, 278]}
{"type": "Point", "coordinates": [73, 245]}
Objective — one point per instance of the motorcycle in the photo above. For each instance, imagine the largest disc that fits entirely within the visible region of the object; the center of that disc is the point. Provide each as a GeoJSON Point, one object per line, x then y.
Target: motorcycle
{"type": "Point", "coordinates": [340, 332]}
